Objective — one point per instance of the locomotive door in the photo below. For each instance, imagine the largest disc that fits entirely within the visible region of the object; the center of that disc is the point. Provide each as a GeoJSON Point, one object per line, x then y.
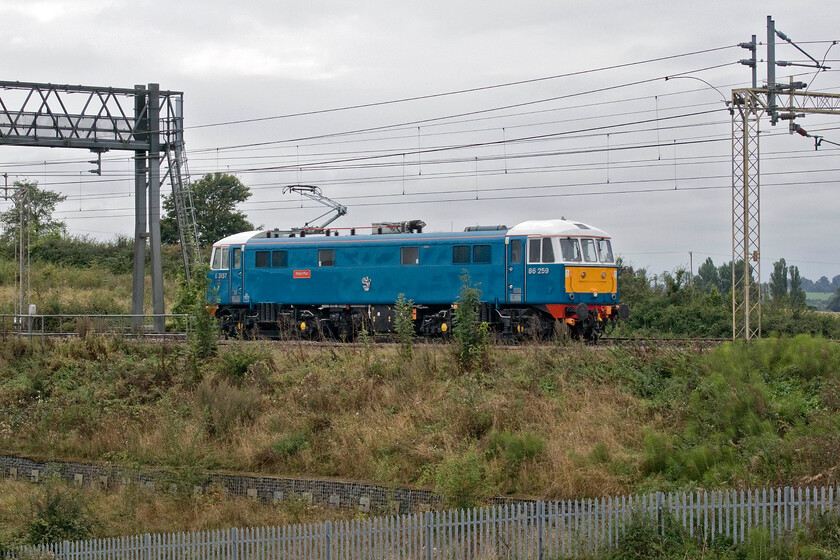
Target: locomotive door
{"type": "Point", "coordinates": [237, 277]}
{"type": "Point", "coordinates": [515, 269]}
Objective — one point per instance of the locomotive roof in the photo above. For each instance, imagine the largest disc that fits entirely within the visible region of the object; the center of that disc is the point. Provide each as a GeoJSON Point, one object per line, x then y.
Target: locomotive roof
{"type": "Point", "coordinates": [556, 227]}
{"type": "Point", "coordinates": [531, 227]}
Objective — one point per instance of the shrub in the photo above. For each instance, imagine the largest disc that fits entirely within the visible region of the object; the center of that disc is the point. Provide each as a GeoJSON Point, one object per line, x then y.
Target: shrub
{"type": "Point", "coordinates": [240, 359]}
{"type": "Point", "coordinates": [753, 414]}
{"type": "Point", "coordinates": [59, 513]}
{"type": "Point", "coordinates": [191, 301]}
{"type": "Point", "coordinates": [292, 444]}
{"type": "Point", "coordinates": [460, 479]}
{"type": "Point", "coordinates": [472, 337]}
{"type": "Point", "coordinates": [404, 325]}
{"type": "Point", "coordinates": [516, 449]}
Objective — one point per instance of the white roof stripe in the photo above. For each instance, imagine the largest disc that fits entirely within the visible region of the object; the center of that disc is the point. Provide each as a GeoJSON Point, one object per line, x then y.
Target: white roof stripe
{"type": "Point", "coordinates": [556, 227]}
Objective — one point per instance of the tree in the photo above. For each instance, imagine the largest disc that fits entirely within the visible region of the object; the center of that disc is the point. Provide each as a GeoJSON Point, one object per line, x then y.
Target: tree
{"type": "Point", "coordinates": [707, 276]}
{"type": "Point", "coordinates": [834, 301]}
{"type": "Point", "coordinates": [822, 285]}
{"type": "Point", "coordinates": [725, 275]}
{"type": "Point", "coordinates": [778, 281]}
{"type": "Point", "coordinates": [797, 294]}
{"type": "Point", "coordinates": [215, 197]}
{"type": "Point", "coordinates": [38, 206]}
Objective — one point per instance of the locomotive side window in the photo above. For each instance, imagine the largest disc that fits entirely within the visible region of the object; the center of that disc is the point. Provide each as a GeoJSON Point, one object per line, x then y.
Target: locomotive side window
{"type": "Point", "coordinates": [570, 249]}
{"type": "Point", "coordinates": [279, 259]}
{"type": "Point", "coordinates": [326, 257]}
{"type": "Point", "coordinates": [534, 246]}
{"type": "Point", "coordinates": [461, 254]}
{"type": "Point", "coordinates": [225, 257]}
{"type": "Point", "coordinates": [409, 255]}
{"type": "Point", "coordinates": [605, 250]}
{"type": "Point", "coordinates": [589, 254]}
{"type": "Point", "coordinates": [515, 251]}
{"type": "Point", "coordinates": [261, 259]}
{"type": "Point", "coordinates": [541, 250]}
{"type": "Point", "coordinates": [237, 258]}
{"type": "Point", "coordinates": [216, 260]}
{"type": "Point", "coordinates": [547, 250]}
{"type": "Point", "coordinates": [481, 254]}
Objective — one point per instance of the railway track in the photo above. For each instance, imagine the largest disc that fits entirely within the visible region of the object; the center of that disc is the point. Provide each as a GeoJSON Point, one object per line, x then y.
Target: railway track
{"type": "Point", "coordinates": [608, 342]}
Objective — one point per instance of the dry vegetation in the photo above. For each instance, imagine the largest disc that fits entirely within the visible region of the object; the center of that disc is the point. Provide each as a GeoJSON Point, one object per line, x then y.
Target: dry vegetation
{"type": "Point", "coordinates": [542, 421]}
{"type": "Point", "coordinates": [134, 510]}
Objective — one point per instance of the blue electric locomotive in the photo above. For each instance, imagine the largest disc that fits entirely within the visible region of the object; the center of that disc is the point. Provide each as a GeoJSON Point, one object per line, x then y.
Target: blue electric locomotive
{"type": "Point", "coordinates": [535, 278]}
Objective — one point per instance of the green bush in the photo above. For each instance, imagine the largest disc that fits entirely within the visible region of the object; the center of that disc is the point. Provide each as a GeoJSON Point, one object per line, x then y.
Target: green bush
{"type": "Point", "coordinates": [292, 444]}
{"type": "Point", "coordinates": [472, 337]}
{"type": "Point", "coordinates": [404, 325]}
{"type": "Point", "coordinates": [190, 300]}
{"type": "Point", "coordinates": [59, 513]}
{"type": "Point", "coordinates": [240, 358]}
{"type": "Point", "coordinates": [752, 415]}
{"type": "Point", "coordinates": [516, 449]}
{"type": "Point", "coordinates": [460, 479]}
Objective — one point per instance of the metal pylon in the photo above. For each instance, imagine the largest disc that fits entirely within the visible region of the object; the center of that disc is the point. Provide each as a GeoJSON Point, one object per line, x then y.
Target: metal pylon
{"type": "Point", "coordinates": [746, 224]}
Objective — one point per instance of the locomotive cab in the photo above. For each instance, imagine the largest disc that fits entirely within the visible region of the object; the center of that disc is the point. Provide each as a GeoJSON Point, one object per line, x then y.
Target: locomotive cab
{"type": "Point", "coordinates": [566, 269]}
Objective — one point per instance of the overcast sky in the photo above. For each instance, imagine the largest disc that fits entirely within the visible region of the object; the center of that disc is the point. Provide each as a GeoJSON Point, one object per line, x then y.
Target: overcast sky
{"type": "Point", "coordinates": [646, 159]}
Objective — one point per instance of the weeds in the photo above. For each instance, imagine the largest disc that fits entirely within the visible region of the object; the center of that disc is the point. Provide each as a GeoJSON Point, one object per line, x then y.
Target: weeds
{"type": "Point", "coordinates": [292, 444]}
{"type": "Point", "coordinates": [472, 337]}
{"type": "Point", "coordinates": [224, 407]}
{"type": "Point", "coordinates": [190, 300]}
{"type": "Point", "coordinates": [239, 360]}
{"type": "Point", "coordinates": [404, 326]}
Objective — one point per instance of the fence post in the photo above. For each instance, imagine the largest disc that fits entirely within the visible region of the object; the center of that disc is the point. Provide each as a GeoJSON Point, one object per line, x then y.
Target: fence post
{"type": "Point", "coordinates": [540, 516]}
{"type": "Point", "coordinates": [328, 540]}
{"type": "Point", "coordinates": [660, 519]}
{"type": "Point", "coordinates": [147, 546]}
{"type": "Point", "coordinates": [428, 535]}
{"type": "Point", "coordinates": [234, 540]}
{"type": "Point", "coordinates": [66, 550]}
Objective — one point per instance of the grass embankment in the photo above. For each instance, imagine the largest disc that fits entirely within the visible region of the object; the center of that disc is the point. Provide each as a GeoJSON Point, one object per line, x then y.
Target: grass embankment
{"type": "Point", "coordinates": [553, 422]}
{"type": "Point", "coordinates": [58, 288]}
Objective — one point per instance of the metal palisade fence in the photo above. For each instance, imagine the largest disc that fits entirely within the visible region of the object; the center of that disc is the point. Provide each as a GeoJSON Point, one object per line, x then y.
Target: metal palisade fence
{"type": "Point", "coordinates": [524, 530]}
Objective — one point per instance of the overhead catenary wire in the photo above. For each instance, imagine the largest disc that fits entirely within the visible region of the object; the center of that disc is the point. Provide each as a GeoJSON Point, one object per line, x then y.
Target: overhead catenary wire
{"type": "Point", "coordinates": [463, 91]}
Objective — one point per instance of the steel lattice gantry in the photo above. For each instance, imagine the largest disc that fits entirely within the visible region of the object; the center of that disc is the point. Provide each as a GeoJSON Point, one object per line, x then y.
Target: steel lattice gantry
{"type": "Point", "coordinates": [749, 105]}
{"type": "Point", "coordinates": [144, 120]}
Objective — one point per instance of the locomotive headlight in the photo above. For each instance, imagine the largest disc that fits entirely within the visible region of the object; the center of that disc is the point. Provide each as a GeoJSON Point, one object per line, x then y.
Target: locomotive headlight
{"type": "Point", "coordinates": [583, 274]}
{"type": "Point", "coordinates": [571, 296]}
{"type": "Point", "coordinates": [595, 293]}
{"type": "Point", "coordinates": [604, 275]}
{"type": "Point", "coordinates": [613, 296]}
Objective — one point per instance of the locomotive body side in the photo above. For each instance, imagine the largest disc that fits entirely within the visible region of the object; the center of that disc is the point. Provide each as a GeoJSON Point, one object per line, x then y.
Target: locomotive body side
{"type": "Point", "coordinates": [371, 269]}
